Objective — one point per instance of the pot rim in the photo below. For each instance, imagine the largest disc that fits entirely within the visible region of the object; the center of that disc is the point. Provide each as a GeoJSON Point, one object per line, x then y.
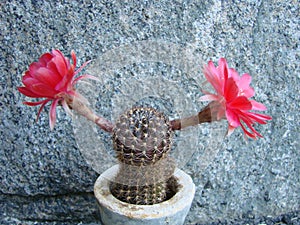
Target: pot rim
{"type": "Point", "coordinates": [182, 199]}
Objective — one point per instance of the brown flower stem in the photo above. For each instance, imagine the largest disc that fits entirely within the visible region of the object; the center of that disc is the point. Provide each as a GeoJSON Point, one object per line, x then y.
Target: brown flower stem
{"type": "Point", "coordinates": [206, 115]}
{"type": "Point", "coordinates": [85, 111]}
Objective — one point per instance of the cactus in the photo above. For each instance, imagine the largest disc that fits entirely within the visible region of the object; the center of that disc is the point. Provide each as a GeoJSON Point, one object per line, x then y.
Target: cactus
{"type": "Point", "coordinates": [142, 138]}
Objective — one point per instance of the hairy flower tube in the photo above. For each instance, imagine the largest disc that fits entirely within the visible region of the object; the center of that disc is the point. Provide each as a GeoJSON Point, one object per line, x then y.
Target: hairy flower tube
{"type": "Point", "coordinates": [53, 79]}
{"type": "Point", "coordinates": [232, 98]}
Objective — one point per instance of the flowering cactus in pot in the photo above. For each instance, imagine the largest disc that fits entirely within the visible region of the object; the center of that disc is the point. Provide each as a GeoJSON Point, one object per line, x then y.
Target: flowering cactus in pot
{"type": "Point", "coordinates": [142, 136]}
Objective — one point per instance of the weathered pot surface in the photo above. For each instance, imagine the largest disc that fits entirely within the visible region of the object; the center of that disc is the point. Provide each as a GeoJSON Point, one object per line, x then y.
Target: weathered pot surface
{"type": "Point", "coordinates": [171, 212]}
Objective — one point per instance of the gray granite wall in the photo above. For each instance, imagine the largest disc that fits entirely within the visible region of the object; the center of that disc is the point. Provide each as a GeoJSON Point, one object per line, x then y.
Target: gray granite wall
{"type": "Point", "coordinates": [44, 177]}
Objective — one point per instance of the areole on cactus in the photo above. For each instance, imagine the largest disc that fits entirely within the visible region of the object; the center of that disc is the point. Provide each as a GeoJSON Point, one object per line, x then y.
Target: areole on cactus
{"type": "Point", "coordinates": [142, 136]}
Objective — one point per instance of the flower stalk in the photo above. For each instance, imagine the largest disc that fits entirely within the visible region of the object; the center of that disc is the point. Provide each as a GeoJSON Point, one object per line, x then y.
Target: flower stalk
{"type": "Point", "coordinates": [82, 109]}
{"type": "Point", "coordinates": [206, 115]}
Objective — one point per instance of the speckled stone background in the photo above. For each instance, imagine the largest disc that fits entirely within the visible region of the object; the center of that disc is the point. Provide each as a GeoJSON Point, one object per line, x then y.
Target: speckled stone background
{"type": "Point", "coordinates": [45, 179]}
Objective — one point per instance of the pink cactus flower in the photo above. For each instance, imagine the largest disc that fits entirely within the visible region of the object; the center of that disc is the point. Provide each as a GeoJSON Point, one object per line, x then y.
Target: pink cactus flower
{"type": "Point", "coordinates": [232, 95]}
{"type": "Point", "coordinates": [52, 78]}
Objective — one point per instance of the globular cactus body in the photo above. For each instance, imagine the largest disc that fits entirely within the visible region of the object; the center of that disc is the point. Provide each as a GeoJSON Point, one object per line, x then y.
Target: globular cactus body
{"type": "Point", "coordinates": [142, 138]}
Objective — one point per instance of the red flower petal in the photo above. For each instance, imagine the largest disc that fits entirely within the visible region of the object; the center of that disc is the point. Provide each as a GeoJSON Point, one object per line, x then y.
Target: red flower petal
{"type": "Point", "coordinates": [43, 90]}
{"type": "Point", "coordinates": [41, 108]}
{"type": "Point", "coordinates": [26, 75]}
{"type": "Point", "coordinates": [234, 74]}
{"type": "Point", "coordinates": [52, 66]}
{"type": "Point", "coordinates": [35, 103]}
{"type": "Point", "coordinates": [52, 113]}
{"type": "Point", "coordinates": [231, 90]}
{"type": "Point", "coordinates": [47, 76]}
{"type": "Point", "coordinates": [60, 64]}
{"type": "Point", "coordinates": [223, 69]}
{"type": "Point", "coordinates": [28, 81]}
{"type": "Point", "coordinates": [81, 67]}
{"type": "Point", "coordinates": [257, 106]}
{"type": "Point", "coordinates": [259, 118]}
{"type": "Point", "coordinates": [212, 76]}
{"type": "Point", "coordinates": [27, 92]}
{"type": "Point", "coordinates": [34, 66]}
{"type": "Point", "coordinates": [254, 133]}
{"type": "Point", "coordinates": [209, 97]}
{"type": "Point", "coordinates": [45, 58]}
{"type": "Point", "coordinates": [73, 55]}
{"type": "Point", "coordinates": [66, 82]}
{"type": "Point", "coordinates": [249, 134]}
{"type": "Point", "coordinates": [241, 103]}
{"type": "Point", "coordinates": [230, 130]}
{"type": "Point", "coordinates": [232, 118]}
{"type": "Point", "coordinates": [248, 92]}
{"type": "Point", "coordinates": [85, 76]}
{"type": "Point", "coordinates": [244, 81]}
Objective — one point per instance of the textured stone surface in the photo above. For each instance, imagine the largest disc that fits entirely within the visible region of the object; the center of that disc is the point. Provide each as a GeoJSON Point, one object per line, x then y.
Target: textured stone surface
{"type": "Point", "coordinates": [45, 179]}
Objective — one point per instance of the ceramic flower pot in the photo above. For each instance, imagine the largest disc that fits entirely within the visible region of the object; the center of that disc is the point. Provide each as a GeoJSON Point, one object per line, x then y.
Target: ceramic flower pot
{"type": "Point", "coordinates": [172, 211]}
